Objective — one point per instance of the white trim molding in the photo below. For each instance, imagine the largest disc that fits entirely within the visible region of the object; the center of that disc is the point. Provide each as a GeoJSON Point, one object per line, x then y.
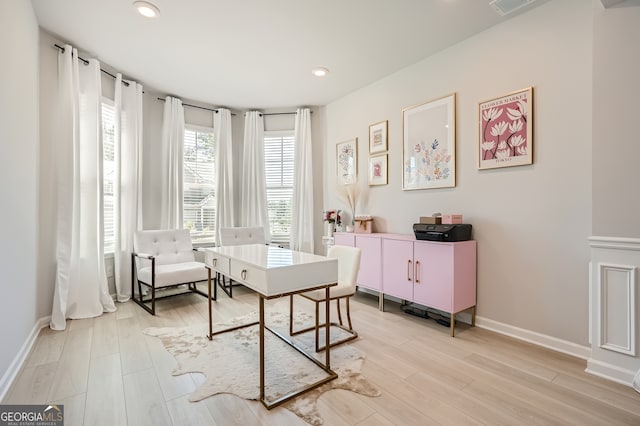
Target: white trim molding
{"type": "Point", "coordinates": [14, 369]}
{"type": "Point", "coordinates": [613, 308]}
{"type": "Point", "coordinates": [549, 342]}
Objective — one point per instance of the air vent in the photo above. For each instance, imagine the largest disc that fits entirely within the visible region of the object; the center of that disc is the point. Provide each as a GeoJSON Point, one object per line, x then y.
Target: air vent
{"type": "Point", "coordinates": [505, 7]}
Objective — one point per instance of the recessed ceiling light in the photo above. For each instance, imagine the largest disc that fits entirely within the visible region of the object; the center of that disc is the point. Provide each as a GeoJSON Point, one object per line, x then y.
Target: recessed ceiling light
{"type": "Point", "coordinates": [146, 9]}
{"type": "Point", "coordinates": [320, 72]}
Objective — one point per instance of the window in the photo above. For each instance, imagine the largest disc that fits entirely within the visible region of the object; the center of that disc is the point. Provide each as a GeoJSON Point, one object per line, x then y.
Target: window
{"type": "Point", "coordinates": [199, 198]}
{"type": "Point", "coordinates": [278, 167]}
{"type": "Point", "coordinates": [108, 169]}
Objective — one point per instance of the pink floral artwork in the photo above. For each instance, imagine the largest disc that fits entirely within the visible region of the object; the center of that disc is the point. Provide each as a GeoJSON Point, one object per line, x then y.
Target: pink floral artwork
{"type": "Point", "coordinates": [506, 131]}
{"type": "Point", "coordinates": [429, 145]}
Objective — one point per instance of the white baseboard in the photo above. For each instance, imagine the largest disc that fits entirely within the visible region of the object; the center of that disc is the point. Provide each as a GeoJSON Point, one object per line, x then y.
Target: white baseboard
{"type": "Point", "coordinates": [15, 367]}
{"type": "Point", "coordinates": [610, 372]}
{"type": "Point", "coordinates": [559, 345]}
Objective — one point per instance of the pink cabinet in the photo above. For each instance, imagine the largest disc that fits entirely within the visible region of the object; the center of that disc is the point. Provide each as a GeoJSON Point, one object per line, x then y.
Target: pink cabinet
{"type": "Point", "coordinates": [370, 265]}
{"type": "Point", "coordinates": [445, 275]}
{"type": "Point", "coordinates": [432, 274]}
{"type": "Point", "coordinates": [397, 268]}
{"type": "Point", "coordinates": [344, 239]}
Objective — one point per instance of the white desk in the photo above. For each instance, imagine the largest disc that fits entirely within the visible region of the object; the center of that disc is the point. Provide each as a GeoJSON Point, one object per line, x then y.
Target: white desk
{"type": "Point", "coordinates": [275, 272]}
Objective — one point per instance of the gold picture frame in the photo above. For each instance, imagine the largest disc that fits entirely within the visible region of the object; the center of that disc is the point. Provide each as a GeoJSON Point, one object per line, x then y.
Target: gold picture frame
{"type": "Point", "coordinates": [378, 137]}
{"type": "Point", "coordinates": [378, 170]}
{"type": "Point", "coordinates": [429, 144]}
{"type": "Point", "coordinates": [347, 161]}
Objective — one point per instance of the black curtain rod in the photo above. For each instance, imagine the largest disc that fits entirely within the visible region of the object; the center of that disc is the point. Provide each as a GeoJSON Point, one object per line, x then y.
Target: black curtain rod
{"type": "Point", "coordinates": [194, 106]}
{"type": "Point", "coordinates": [277, 113]}
{"type": "Point", "coordinates": [87, 63]}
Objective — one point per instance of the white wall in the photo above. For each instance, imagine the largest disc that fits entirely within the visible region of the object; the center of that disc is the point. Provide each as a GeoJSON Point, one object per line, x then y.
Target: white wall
{"type": "Point", "coordinates": [616, 145]}
{"type": "Point", "coordinates": [531, 222]}
{"type": "Point", "coordinates": [18, 179]}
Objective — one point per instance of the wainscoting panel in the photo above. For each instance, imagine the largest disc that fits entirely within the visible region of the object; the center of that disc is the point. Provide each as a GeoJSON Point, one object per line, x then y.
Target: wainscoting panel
{"type": "Point", "coordinates": [613, 310]}
{"type": "Point", "coordinates": [617, 308]}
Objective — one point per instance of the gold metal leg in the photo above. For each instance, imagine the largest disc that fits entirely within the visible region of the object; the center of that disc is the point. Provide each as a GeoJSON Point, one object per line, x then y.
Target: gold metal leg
{"type": "Point", "coordinates": [453, 324]}
{"type": "Point", "coordinates": [348, 314]}
{"type": "Point", "coordinates": [262, 395]}
{"type": "Point", "coordinates": [338, 308]}
{"type": "Point", "coordinates": [327, 322]}
{"type": "Point", "coordinates": [473, 316]}
{"type": "Point", "coordinates": [210, 336]}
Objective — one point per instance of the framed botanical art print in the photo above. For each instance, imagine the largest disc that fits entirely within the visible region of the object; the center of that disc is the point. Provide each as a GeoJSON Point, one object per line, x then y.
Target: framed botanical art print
{"type": "Point", "coordinates": [506, 130]}
{"type": "Point", "coordinates": [429, 144]}
{"type": "Point", "coordinates": [378, 137]}
{"type": "Point", "coordinates": [347, 161]}
{"type": "Point", "coordinates": [378, 170]}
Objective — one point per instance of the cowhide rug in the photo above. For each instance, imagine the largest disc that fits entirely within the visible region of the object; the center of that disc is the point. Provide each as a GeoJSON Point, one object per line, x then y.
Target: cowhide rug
{"type": "Point", "coordinates": [230, 362]}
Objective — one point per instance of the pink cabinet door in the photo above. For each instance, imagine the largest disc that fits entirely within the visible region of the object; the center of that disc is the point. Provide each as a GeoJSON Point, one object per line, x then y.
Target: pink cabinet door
{"type": "Point", "coordinates": [397, 268]}
{"type": "Point", "coordinates": [370, 268]}
{"type": "Point", "coordinates": [344, 239]}
{"type": "Point", "coordinates": [433, 275]}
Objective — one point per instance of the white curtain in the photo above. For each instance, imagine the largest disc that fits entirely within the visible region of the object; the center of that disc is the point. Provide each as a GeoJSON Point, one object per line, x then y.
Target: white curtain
{"type": "Point", "coordinates": [254, 193]}
{"type": "Point", "coordinates": [127, 180]}
{"type": "Point", "coordinates": [302, 209]}
{"type": "Point", "coordinates": [224, 168]}
{"type": "Point", "coordinates": [81, 282]}
{"type": "Point", "coordinates": [172, 143]}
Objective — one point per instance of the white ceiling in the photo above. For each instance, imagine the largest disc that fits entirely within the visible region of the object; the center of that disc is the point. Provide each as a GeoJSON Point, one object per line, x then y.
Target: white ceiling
{"type": "Point", "coordinates": [245, 54]}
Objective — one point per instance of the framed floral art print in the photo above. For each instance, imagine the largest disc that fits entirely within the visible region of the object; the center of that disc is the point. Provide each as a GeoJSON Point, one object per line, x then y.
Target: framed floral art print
{"type": "Point", "coordinates": [429, 144]}
{"type": "Point", "coordinates": [347, 161]}
{"type": "Point", "coordinates": [506, 130]}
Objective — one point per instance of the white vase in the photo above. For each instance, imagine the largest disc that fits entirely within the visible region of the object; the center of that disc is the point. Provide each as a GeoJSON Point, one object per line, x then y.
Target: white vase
{"type": "Point", "coordinates": [329, 229]}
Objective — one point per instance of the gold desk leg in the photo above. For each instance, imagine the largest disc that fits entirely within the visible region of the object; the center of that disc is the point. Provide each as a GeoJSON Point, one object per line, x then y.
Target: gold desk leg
{"type": "Point", "coordinates": [327, 322]}
{"type": "Point", "coordinates": [262, 395]}
{"type": "Point", "coordinates": [210, 336]}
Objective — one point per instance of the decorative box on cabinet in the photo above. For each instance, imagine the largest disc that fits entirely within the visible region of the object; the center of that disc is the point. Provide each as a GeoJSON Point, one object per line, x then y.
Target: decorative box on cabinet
{"type": "Point", "coordinates": [433, 274]}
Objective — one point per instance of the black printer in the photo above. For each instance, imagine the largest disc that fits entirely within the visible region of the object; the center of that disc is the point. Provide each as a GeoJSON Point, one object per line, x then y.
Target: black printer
{"type": "Point", "coordinates": [442, 232]}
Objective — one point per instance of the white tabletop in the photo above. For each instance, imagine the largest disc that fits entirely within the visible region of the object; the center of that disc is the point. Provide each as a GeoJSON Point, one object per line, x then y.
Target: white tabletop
{"type": "Point", "coordinates": [273, 270]}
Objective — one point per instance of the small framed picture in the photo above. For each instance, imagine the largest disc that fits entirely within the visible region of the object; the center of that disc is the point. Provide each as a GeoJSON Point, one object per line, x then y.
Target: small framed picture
{"type": "Point", "coordinates": [378, 137]}
{"type": "Point", "coordinates": [347, 161]}
{"type": "Point", "coordinates": [378, 170]}
{"type": "Point", "coordinates": [506, 130]}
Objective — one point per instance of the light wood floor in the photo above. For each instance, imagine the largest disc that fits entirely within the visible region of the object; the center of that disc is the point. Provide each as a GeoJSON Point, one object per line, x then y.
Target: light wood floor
{"type": "Point", "coordinates": [106, 372]}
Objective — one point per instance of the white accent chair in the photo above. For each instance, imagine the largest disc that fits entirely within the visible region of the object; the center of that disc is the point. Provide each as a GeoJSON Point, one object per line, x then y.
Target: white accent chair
{"type": "Point", "coordinates": [238, 236]}
{"type": "Point", "coordinates": [162, 259]}
{"type": "Point", "coordinates": [348, 266]}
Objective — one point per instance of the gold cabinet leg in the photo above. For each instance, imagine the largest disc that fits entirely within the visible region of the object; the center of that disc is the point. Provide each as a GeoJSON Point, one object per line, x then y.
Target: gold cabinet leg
{"type": "Point", "coordinates": [473, 316]}
{"type": "Point", "coordinates": [453, 324]}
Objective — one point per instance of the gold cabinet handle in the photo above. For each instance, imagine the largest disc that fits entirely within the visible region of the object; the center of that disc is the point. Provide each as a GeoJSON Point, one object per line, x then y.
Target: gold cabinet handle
{"type": "Point", "coordinates": [417, 272]}
{"type": "Point", "coordinates": [408, 270]}
{"type": "Point", "coordinates": [243, 274]}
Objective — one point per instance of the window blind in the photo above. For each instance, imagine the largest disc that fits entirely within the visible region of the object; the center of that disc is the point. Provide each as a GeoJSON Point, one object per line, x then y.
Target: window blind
{"type": "Point", "coordinates": [199, 203]}
{"type": "Point", "coordinates": [279, 159]}
{"type": "Point", "coordinates": [108, 168]}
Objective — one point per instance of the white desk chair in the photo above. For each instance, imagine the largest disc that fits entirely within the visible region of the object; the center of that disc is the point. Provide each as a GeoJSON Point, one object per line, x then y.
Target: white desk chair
{"type": "Point", "coordinates": [163, 259]}
{"type": "Point", "coordinates": [348, 266]}
{"type": "Point", "coordinates": [238, 236]}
